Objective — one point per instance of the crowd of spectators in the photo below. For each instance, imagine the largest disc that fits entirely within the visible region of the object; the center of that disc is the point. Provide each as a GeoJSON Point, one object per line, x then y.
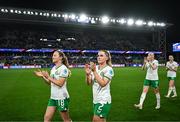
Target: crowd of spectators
{"type": "Point", "coordinates": [59, 37]}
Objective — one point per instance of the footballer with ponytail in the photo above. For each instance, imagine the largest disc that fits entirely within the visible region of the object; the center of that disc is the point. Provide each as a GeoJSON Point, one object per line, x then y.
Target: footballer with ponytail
{"type": "Point", "coordinates": [59, 98]}
{"type": "Point", "coordinates": [100, 77]}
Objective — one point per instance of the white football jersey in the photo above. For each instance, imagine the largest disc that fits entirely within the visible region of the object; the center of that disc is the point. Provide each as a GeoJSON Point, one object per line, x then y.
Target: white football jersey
{"type": "Point", "coordinates": [171, 65]}
{"type": "Point", "coordinates": [58, 92]}
{"type": "Point", "coordinates": [102, 94]}
{"type": "Point", "coordinates": [152, 74]}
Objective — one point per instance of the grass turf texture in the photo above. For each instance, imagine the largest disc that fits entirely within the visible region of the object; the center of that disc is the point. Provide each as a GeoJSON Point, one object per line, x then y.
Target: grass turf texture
{"type": "Point", "coordinates": [23, 96]}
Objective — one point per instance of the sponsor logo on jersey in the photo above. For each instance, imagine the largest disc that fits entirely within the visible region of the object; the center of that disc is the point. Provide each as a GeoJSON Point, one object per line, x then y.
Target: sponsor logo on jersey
{"type": "Point", "coordinates": [57, 73]}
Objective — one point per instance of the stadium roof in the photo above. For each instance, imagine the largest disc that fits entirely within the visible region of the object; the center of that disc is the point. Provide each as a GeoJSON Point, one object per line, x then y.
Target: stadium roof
{"type": "Point", "coordinates": [46, 16]}
{"type": "Point", "coordinates": [165, 11]}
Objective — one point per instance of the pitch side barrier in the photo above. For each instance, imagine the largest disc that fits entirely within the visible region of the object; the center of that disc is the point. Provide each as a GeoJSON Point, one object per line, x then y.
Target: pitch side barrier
{"type": "Point", "coordinates": [71, 66]}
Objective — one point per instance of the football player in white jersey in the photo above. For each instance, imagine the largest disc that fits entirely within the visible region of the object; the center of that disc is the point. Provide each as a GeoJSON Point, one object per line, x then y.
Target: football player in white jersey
{"type": "Point", "coordinates": [100, 77]}
{"type": "Point", "coordinates": [151, 80]}
{"type": "Point", "coordinates": [171, 68]}
{"type": "Point", "coordinates": [59, 98]}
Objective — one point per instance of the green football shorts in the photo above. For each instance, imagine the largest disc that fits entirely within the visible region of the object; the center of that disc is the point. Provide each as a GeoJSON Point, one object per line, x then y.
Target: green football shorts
{"type": "Point", "coordinates": [102, 110]}
{"type": "Point", "coordinates": [61, 105]}
{"type": "Point", "coordinates": [171, 78]}
{"type": "Point", "coordinates": [152, 83]}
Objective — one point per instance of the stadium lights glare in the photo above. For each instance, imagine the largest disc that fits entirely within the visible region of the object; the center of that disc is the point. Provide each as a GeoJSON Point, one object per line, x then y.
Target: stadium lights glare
{"type": "Point", "coordinates": [36, 13]}
{"type": "Point", "coordinates": [24, 12]}
{"type": "Point", "coordinates": [150, 23]}
{"type": "Point", "coordinates": [19, 12]}
{"type": "Point", "coordinates": [12, 11]}
{"type": "Point", "coordinates": [41, 39]}
{"type": "Point", "coordinates": [29, 12]}
{"type": "Point", "coordinates": [16, 11]}
{"type": "Point", "coordinates": [93, 21]}
{"type": "Point", "coordinates": [139, 22]}
{"type": "Point", "coordinates": [113, 20]}
{"type": "Point", "coordinates": [162, 24]}
{"type": "Point", "coordinates": [55, 15]}
{"type": "Point", "coordinates": [130, 22]}
{"type": "Point", "coordinates": [105, 19]}
{"type": "Point", "coordinates": [65, 16]}
{"type": "Point", "coordinates": [89, 18]}
{"type": "Point", "coordinates": [158, 24]}
{"type": "Point", "coordinates": [144, 23]}
{"type": "Point", "coordinates": [77, 17]}
{"type": "Point", "coordinates": [82, 18]}
{"type": "Point", "coordinates": [58, 40]}
{"type": "Point", "coordinates": [44, 14]}
{"type": "Point", "coordinates": [122, 21]}
{"type": "Point", "coordinates": [73, 16]}
{"type": "Point", "coordinates": [2, 10]}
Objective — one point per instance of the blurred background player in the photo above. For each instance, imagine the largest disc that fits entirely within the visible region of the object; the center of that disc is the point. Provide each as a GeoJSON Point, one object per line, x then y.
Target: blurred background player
{"type": "Point", "coordinates": [151, 80]}
{"type": "Point", "coordinates": [100, 77]}
{"type": "Point", "coordinates": [59, 95]}
{"type": "Point", "coordinates": [171, 68]}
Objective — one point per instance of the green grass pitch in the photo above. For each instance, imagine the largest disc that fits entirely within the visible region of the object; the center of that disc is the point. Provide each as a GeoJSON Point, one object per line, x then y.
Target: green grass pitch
{"type": "Point", "coordinates": [24, 97]}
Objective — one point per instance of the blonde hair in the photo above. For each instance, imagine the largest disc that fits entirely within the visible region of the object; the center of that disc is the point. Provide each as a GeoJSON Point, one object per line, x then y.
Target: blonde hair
{"type": "Point", "coordinates": [107, 53]}
{"type": "Point", "coordinates": [64, 61]}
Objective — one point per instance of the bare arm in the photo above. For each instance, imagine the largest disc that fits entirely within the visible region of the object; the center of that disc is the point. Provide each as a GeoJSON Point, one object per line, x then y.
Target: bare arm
{"type": "Point", "coordinates": [167, 68]}
{"type": "Point", "coordinates": [40, 74]}
{"type": "Point", "coordinates": [173, 69]}
{"type": "Point", "coordinates": [153, 66]}
{"type": "Point", "coordinates": [101, 81]}
{"type": "Point", "coordinates": [58, 82]}
{"type": "Point", "coordinates": [144, 64]}
{"type": "Point", "coordinates": [88, 79]}
{"type": "Point", "coordinates": [47, 81]}
{"type": "Point", "coordinates": [88, 74]}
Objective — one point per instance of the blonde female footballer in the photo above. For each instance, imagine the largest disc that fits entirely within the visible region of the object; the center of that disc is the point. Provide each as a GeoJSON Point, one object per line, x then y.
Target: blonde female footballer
{"type": "Point", "coordinates": [100, 77]}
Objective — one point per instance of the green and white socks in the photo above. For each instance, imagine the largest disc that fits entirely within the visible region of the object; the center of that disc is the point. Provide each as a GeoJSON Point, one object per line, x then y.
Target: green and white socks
{"type": "Point", "coordinates": [158, 100]}
{"type": "Point", "coordinates": [172, 89]}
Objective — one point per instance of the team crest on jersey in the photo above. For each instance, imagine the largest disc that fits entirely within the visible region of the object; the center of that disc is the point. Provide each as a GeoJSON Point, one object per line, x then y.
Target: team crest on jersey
{"type": "Point", "coordinates": [111, 72]}
{"type": "Point", "coordinates": [65, 71]}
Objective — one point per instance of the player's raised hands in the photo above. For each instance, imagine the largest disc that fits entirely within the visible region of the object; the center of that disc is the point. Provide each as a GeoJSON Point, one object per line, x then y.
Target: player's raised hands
{"type": "Point", "coordinates": [38, 73]}
{"type": "Point", "coordinates": [93, 66]}
{"type": "Point", "coordinates": [45, 74]}
{"type": "Point", "coordinates": [87, 69]}
{"type": "Point", "coordinates": [145, 60]}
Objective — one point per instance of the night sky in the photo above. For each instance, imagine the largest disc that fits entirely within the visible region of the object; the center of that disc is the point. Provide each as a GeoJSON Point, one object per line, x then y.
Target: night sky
{"type": "Point", "coordinates": [158, 10]}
